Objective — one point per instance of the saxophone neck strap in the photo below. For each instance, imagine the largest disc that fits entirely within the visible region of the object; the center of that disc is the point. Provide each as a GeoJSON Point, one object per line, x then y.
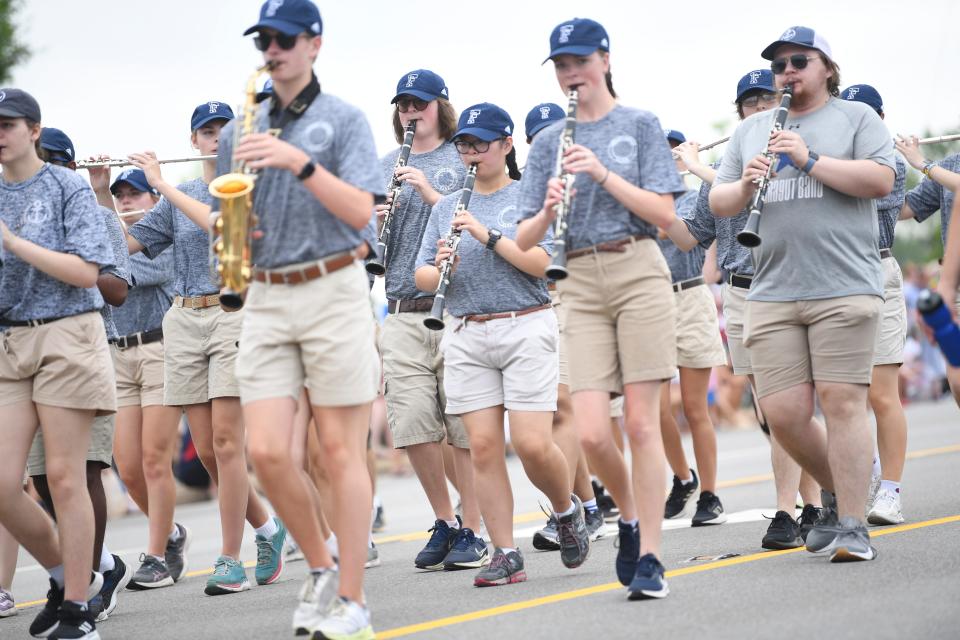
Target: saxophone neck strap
{"type": "Point", "coordinates": [281, 117]}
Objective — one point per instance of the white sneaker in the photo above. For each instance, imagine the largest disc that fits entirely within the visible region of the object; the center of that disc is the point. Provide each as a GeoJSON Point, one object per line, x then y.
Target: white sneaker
{"type": "Point", "coordinates": [885, 509]}
{"type": "Point", "coordinates": [7, 606]}
{"type": "Point", "coordinates": [347, 620]}
{"type": "Point", "coordinates": [872, 493]}
{"type": "Point", "coordinates": [373, 557]}
{"type": "Point", "coordinates": [317, 594]}
{"type": "Point", "coordinates": [292, 551]}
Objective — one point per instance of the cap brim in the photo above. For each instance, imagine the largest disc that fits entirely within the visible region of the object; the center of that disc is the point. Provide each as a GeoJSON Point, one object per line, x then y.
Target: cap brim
{"type": "Point", "coordinates": [423, 95]}
{"type": "Point", "coordinates": [540, 126]}
{"type": "Point", "coordinates": [483, 134]}
{"type": "Point", "coordinates": [755, 87]}
{"type": "Point", "coordinates": [211, 118]}
{"type": "Point", "coordinates": [772, 48]}
{"type": "Point", "coordinates": [573, 49]}
{"type": "Point", "coordinates": [11, 113]}
{"type": "Point", "coordinates": [284, 27]}
{"type": "Point", "coordinates": [139, 187]}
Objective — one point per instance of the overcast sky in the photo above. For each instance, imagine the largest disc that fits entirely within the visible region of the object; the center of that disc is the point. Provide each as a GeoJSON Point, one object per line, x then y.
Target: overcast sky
{"type": "Point", "coordinates": [125, 76]}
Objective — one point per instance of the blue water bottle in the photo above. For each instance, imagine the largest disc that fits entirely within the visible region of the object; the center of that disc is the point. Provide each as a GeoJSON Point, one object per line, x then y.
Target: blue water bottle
{"type": "Point", "coordinates": [945, 330]}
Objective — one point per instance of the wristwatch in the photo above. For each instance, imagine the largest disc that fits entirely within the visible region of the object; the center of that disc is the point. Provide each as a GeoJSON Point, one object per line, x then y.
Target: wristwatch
{"type": "Point", "coordinates": [811, 160]}
{"type": "Point", "coordinates": [495, 235]}
{"type": "Point", "coordinates": [928, 167]}
{"type": "Point", "coordinates": [307, 170]}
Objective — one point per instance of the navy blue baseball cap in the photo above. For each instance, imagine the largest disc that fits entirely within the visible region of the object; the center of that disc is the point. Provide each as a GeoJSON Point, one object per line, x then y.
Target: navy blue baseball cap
{"type": "Point", "coordinates": [17, 103]}
{"type": "Point", "coordinates": [801, 36]}
{"type": "Point", "coordinates": [541, 116]}
{"type": "Point", "coordinates": [135, 178]}
{"type": "Point", "coordinates": [208, 111]}
{"type": "Point", "coordinates": [676, 136]}
{"type": "Point", "coordinates": [485, 121]}
{"type": "Point", "coordinates": [290, 17]}
{"type": "Point", "coordinates": [579, 37]}
{"type": "Point", "coordinates": [864, 93]}
{"type": "Point", "coordinates": [58, 145]}
{"type": "Point", "coordinates": [761, 79]}
{"type": "Point", "coordinates": [423, 84]}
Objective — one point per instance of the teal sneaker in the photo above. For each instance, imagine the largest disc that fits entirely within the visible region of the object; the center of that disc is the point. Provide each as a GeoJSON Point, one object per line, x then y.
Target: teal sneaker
{"type": "Point", "coordinates": [228, 577]}
{"type": "Point", "coordinates": [270, 555]}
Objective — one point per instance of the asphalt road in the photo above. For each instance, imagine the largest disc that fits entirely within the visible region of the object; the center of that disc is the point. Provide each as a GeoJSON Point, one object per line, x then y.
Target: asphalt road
{"type": "Point", "coordinates": [911, 590]}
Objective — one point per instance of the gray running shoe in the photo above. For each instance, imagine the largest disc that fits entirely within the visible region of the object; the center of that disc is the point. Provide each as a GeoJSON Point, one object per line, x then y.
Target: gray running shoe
{"type": "Point", "coordinates": [504, 568]}
{"type": "Point", "coordinates": [596, 527]}
{"type": "Point", "coordinates": [152, 574]}
{"type": "Point", "coordinates": [573, 536]}
{"type": "Point", "coordinates": [373, 557]}
{"type": "Point", "coordinates": [292, 551]}
{"type": "Point", "coordinates": [821, 537]}
{"type": "Point", "coordinates": [317, 594]}
{"type": "Point", "coordinates": [852, 544]}
{"type": "Point", "coordinates": [175, 555]}
{"type": "Point", "coordinates": [7, 606]}
{"type": "Point", "coordinates": [546, 538]}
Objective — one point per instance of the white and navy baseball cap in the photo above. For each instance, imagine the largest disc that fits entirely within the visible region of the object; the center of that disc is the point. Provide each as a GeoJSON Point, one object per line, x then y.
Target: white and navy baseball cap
{"type": "Point", "coordinates": [423, 84]}
{"type": "Point", "coordinates": [542, 115]}
{"type": "Point", "coordinates": [675, 136]}
{"type": "Point", "coordinates": [761, 79]}
{"type": "Point", "coordinates": [208, 111]}
{"type": "Point", "coordinates": [800, 36]}
{"type": "Point", "coordinates": [17, 103]}
{"type": "Point", "coordinates": [579, 37]}
{"type": "Point", "coordinates": [135, 178]}
{"type": "Point", "coordinates": [58, 145]}
{"type": "Point", "coordinates": [486, 121]}
{"type": "Point", "coordinates": [864, 93]}
{"type": "Point", "coordinates": [289, 17]}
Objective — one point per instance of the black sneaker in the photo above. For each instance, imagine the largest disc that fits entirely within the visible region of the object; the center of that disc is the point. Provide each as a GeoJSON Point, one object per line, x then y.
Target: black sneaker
{"type": "Point", "coordinates": [175, 555]}
{"type": "Point", "coordinates": [76, 623]}
{"type": "Point", "coordinates": [504, 568]}
{"type": "Point", "coordinates": [825, 530]}
{"type": "Point", "coordinates": [379, 523]}
{"type": "Point", "coordinates": [628, 550]}
{"type": "Point", "coordinates": [573, 536]}
{"type": "Point", "coordinates": [431, 557]}
{"type": "Point", "coordinates": [709, 510]}
{"type": "Point", "coordinates": [596, 527]}
{"type": "Point", "coordinates": [152, 574]}
{"type": "Point", "coordinates": [48, 619]}
{"type": "Point", "coordinates": [808, 517]}
{"type": "Point", "coordinates": [783, 533]}
{"type": "Point", "coordinates": [546, 539]}
{"type": "Point", "coordinates": [648, 580]}
{"type": "Point", "coordinates": [113, 583]}
{"type": "Point", "coordinates": [468, 551]}
{"type": "Point", "coordinates": [680, 495]}
{"type": "Point", "coordinates": [605, 503]}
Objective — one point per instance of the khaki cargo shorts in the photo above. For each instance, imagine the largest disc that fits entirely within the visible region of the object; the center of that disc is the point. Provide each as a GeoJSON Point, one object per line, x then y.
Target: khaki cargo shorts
{"type": "Point", "coordinates": [199, 354]}
{"type": "Point", "coordinates": [892, 329]}
{"type": "Point", "coordinates": [139, 374]}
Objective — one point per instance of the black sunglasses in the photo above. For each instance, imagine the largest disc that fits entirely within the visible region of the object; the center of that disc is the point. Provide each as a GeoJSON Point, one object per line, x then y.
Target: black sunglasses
{"type": "Point", "coordinates": [262, 41]}
{"type": "Point", "coordinates": [404, 104]}
{"type": "Point", "coordinates": [798, 61]}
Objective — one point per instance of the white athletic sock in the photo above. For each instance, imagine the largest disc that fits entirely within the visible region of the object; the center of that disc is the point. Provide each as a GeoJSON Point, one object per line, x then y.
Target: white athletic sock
{"type": "Point", "coordinates": [269, 529]}
{"type": "Point", "coordinates": [453, 524]}
{"type": "Point", "coordinates": [106, 560]}
{"type": "Point", "coordinates": [890, 485]}
{"type": "Point", "coordinates": [569, 511]}
{"type": "Point", "coordinates": [376, 501]}
{"type": "Point", "coordinates": [590, 505]}
{"type": "Point", "coordinates": [876, 466]}
{"type": "Point", "coordinates": [631, 523]}
{"type": "Point", "coordinates": [332, 545]}
{"type": "Point", "coordinates": [507, 549]}
{"type": "Point", "coordinates": [175, 533]}
{"type": "Point", "coordinates": [56, 573]}
{"type": "Point", "coordinates": [160, 558]}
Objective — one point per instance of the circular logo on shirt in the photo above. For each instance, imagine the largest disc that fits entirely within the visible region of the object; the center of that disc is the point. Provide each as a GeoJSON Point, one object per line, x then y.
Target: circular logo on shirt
{"type": "Point", "coordinates": [319, 136]}
{"type": "Point", "coordinates": [507, 218]}
{"type": "Point", "coordinates": [622, 149]}
{"type": "Point", "coordinates": [445, 180]}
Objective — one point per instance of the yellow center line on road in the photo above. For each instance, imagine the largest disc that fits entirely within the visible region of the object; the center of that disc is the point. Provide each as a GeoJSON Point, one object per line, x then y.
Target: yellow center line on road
{"type": "Point", "coordinates": [449, 621]}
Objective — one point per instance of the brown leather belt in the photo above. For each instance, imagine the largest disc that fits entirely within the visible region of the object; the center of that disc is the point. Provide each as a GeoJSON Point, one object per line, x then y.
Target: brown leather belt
{"type": "Point", "coordinates": [197, 302]}
{"type": "Point", "coordinates": [299, 276]}
{"type": "Point", "coordinates": [683, 285]}
{"type": "Point", "coordinates": [614, 246]}
{"type": "Point", "coordinates": [408, 306]}
{"type": "Point", "coordinates": [508, 314]}
{"type": "Point", "coordinates": [885, 253]}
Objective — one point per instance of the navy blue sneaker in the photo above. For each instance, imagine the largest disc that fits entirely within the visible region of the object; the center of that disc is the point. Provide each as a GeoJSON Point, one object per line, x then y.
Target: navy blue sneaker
{"type": "Point", "coordinates": [431, 557]}
{"type": "Point", "coordinates": [628, 544]}
{"type": "Point", "coordinates": [648, 581]}
{"type": "Point", "coordinates": [468, 552]}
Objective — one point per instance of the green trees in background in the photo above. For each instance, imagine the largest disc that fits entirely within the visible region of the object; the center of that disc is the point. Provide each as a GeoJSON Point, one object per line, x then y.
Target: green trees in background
{"type": "Point", "coordinates": [12, 50]}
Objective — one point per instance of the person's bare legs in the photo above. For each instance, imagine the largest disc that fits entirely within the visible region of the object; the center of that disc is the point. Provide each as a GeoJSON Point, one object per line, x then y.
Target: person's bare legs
{"type": "Point", "coordinates": [789, 413]}
{"type": "Point", "coordinates": [642, 424]}
{"type": "Point", "coordinates": [891, 421]}
{"type": "Point", "coordinates": [488, 456]}
{"type": "Point", "coordinates": [591, 413]}
{"type": "Point", "coordinates": [159, 440]}
{"type": "Point", "coordinates": [850, 447]}
{"type": "Point", "coordinates": [128, 454]}
{"type": "Point", "coordinates": [672, 440]}
{"type": "Point", "coordinates": [466, 486]}
{"type": "Point", "coordinates": [694, 385]}
{"type": "Point", "coordinates": [565, 433]}
{"type": "Point", "coordinates": [9, 550]}
{"type": "Point", "coordinates": [427, 462]}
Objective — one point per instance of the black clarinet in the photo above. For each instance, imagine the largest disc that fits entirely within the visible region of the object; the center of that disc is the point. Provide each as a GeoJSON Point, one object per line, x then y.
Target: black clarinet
{"type": "Point", "coordinates": [557, 270]}
{"type": "Point", "coordinates": [435, 319]}
{"type": "Point", "coordinates": [378, 265]}
{"type": "Point", "coordinates": [750, 236]}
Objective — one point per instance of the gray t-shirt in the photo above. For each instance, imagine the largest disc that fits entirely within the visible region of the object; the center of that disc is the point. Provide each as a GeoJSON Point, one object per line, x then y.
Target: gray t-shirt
{"type": "Point", "coordinates": [445, 172]}
{"type": "Point", "coordinates": [150, 296]}
{"type": "Point", "coordinates": [120, 268]}
{"type": "Point", "coordinates": [630, 143]}
{"type": "Point", "coordinates": [56, 209]}
{"type": "Point", "coordinates": [888, 207]}
{"type": "Point", "coordinates": [296, 226]}
{"type": "Point", "coordinates": [732, 257]}
{"type": "Point", "coordinates": [817, 242]}
{"type": "Point", "coordinates": [165, 225]}
{"type": "Point", "coordinates": [684, 265]}
{"type": "Point", "coordinates": [928, 196]}
{"type": "Point", "coordinates": [484, 282]}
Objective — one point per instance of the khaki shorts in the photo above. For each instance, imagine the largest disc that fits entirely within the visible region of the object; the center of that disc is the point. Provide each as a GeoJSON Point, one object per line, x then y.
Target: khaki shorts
{"type": "Point", "coordinates": [561, 310]}
{"type": "Point", "coordinates": [319, 334]}
{"type": "Point", "coordinates": [793, 343]}
{"type": "Point", "coordinates": [413, 379]}
{"type": "Point", "coordinates": [892, 329]}
{"type": "Point", "coordinates": [101, 447]}
{"type": "Point", "coordinates": [65, 364]}
{"type": "Point", "coordinates": [199, 354]}
{"type": "Point", "coordinates": [734, 308]}
{"type": "Point", "coordinates": [513, 362]}
{"type": "Point", "coordinates": [620, 318]}
{"type": "Point", "coordinates": [139, 375]}
{"type": "Point", "coordinates": [699, 345]}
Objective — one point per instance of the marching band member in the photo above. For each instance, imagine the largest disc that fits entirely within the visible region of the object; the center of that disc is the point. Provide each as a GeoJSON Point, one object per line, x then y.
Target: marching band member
{"type": "Point", "coordinates": [500, 350]}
